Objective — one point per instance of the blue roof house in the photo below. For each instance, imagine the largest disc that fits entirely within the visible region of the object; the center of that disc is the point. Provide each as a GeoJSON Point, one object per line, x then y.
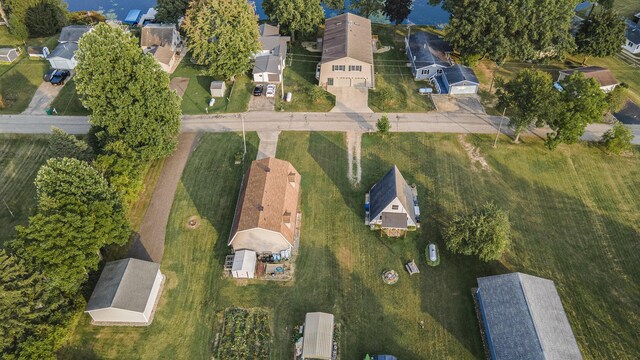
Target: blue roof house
{"type": "Point", "coordinates": [524, 319]}
{"type": "Point", "coordinates": [428, 54]}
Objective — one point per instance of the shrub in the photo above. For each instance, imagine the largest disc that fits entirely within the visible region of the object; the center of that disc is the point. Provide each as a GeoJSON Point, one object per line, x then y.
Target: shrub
{"type": "Point", "coordinates": [383, 125]}
{"type": "Point", "coordinates": [617, 139]}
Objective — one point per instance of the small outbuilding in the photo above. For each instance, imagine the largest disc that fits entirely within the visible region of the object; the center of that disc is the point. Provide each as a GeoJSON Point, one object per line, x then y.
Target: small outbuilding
{"type": "Point", "coordinates": [126, 293]}
{"type": "Point", "coordinates": [218, 89]}
{"type": "Point", "coordinates": [38, 52]}
{"type": "Point", "coordinates": [317, 340]}
{"type": "Point", "coordinates": [244, 264]}
{"type": "Point", "coordinates": [8, 54]}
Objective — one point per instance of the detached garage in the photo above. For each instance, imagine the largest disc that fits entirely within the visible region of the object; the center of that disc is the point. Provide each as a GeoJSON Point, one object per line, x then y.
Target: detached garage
{"type": "Point", "coordinates": [126, 293]}
{"type": "Point", "coordinates": [244, 264]}
{"type": "Point", "coordinates": [458, 80]}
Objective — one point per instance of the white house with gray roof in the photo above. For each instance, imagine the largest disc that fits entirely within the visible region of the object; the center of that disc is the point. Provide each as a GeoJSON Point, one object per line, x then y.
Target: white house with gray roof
{"type": "Point", "coordinates": [270, 59]}
{"type": "Point", "coordinates": [64, 55]}
{"type": "Point", "coordinates": [523, 319]}
{"type": "Point", "coordinates": [392, 205]}
{"type": "Point", "coordinates": [632, 44]}
{"type": "Point", "coordinates": [428, 54]}
{"type": "Point", "coordinates": [126, 293]}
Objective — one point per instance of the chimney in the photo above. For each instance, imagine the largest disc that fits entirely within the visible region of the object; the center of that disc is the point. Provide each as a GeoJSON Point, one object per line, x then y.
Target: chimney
{"type": "Point", "coordinates": [286, 218]}
{"type": "Point", "coordinates": [292, 179]}
{"type": "Point", "coordinates": [260, 208]}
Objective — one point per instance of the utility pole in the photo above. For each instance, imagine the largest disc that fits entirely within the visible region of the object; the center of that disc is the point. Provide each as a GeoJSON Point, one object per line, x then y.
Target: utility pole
{"type": "Point", "coordinates": [495, 143]}
{"type": "Point", "coordinates": [244, 139]}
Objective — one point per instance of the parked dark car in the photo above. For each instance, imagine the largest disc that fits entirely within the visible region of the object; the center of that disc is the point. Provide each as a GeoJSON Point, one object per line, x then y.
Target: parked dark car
{"type": "Point", "coordinates": [59, 77]}
{"type": "Point", "coordinates": [257, 91]}
{"type": "Point", "coordinates": [49, 74]}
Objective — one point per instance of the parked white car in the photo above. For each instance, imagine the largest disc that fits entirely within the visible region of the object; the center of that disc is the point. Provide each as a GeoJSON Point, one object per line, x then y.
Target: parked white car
{"type": "Point", "coordinates": [271, 90]}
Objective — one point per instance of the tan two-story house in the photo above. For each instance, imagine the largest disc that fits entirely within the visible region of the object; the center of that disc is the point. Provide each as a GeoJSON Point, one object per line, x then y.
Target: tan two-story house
{"type": "Point", "coordinates": [347, 52]}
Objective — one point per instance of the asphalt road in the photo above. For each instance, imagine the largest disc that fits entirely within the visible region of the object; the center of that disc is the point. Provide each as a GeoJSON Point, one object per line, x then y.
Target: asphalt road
{"type": "Point", "coordinates": [448, 122]}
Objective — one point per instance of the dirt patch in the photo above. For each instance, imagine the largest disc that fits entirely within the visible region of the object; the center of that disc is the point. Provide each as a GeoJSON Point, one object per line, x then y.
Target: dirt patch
{"type": "Point", "coordinates": [474, 154]}
{"type": "Point", "coordinates": [179, 84]}
{"type": "Point", "coordinates": [193, 222]}
{"type": "Point", "coordinates": [354, 154]}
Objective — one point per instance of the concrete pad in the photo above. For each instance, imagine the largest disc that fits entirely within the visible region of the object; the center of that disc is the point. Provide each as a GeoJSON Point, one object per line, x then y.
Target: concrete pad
{"type": "Point", "coordinates": [179, 84]}
{"type": "Point", "coordinates": [350, 99]}
{"type": "Point", "coordinates": [43, 97]}
{"type": "Point", "coordinates": [268, 144]}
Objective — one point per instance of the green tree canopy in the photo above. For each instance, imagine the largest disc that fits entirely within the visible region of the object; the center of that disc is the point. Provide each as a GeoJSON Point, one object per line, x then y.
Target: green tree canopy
{"type": "Point", "coordinates": [62, 145]}
{"type": "Point", "coordinates": [334, 5]}
{"type": "Point", "coordinates": [528, 98]}
{"type": "Point", "coordinates": [223, 34]}
{"type": "Point", "coordinates": [601, 35]}
{"type": "Point", "coordinates": [580, 103]}
{"type": "Point", "coordinates": [617, 98]}
{"type": "Point", "coordinates": [124, 169]}
{"type": "Point", "coordinates": [169, 11]}
{"type": "Point", "coordinates": [127, 93]}
{"type": "Point", "coordinates": [397, 10]}
{"type": "Point", "coordinates": [618, 139]}
{"type": "Point", "coordinates": [383, 125]}
{"type": "Point", "coordinates": [366, 8]}
{"type": "Point", "coordinates": [302, 16]}
{"type": "Point", "coordinates": [77, 215]}
{"type": "Point", "coordinates": [484, 232]}
{"type": "Point", "coordinates": [521, 29]}
{"type": "Point", "coordinates": [36, 18]}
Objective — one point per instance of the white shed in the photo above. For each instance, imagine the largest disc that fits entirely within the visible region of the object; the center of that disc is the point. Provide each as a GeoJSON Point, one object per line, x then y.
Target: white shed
{"type": "Point", "coordinates": [126, 293]}
{"type": "Point", "coordinates": [244, 264]}
{"type": "Point", "coordinates": [218, 88]}
{"type": "Point", "coordinates": [317, 340]}
{"type": "Point", "coordinates": [8, 54]}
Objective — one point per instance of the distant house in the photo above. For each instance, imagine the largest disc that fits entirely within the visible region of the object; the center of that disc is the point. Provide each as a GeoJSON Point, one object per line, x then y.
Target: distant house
{"type": "Point", "coordinates": [163, 42]}
{"type": "Point", "coordinates": [64, 55]}
{"type": "Point", "coordinates": [604, 77]}
{"type": "Point", "coordinates": [266, 213]}
{"type": "Point", "coordinates": [457, 80]}
{"type": "Point", "coordinates": [126, 293]}
{"type": "Point", "coordinates": [270, 60]}
{"type": "Point", "coordinates": [38, 52]}
{"type": "Point", "coordinates": [8, 54]}
{"type": "Point", "coordinates": [632, 44]}
{"type": "Point", "coordinates": [524, 319]}
{"type": "Point", "coordinates": [317, 338]}
{"type": "Point", "coordinates": [392, 205]}
{"type": "Point", "coordinates": [428, 54]}
{"type": "Point", "coordinates": [347, 52]}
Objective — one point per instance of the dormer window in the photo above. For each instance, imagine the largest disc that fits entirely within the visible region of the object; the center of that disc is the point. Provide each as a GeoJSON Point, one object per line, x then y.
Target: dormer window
{"type": "Point", "coordinates": [286, 218]}
{"type": "Point", "coordinates": [292, 179]}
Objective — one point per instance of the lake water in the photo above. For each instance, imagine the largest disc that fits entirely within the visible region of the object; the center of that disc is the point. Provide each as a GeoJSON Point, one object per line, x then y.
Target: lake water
{"type": "Point", "coordinates": [422, 13]}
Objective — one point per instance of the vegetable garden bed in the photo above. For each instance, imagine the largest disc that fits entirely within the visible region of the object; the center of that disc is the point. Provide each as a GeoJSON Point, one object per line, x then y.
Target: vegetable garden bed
{"type": "Point", "coordinates": [245, 334]}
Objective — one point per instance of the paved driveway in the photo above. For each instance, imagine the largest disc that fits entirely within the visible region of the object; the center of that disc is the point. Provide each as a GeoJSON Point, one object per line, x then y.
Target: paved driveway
{"type": "Point", "coordinates": [350, 99]}
{"type": "Point", "coordinates": [262, 103]}
{"type": "Point", "coordinates": [44, 96]}
{"type": "Point", "coordinates": [459, 103]}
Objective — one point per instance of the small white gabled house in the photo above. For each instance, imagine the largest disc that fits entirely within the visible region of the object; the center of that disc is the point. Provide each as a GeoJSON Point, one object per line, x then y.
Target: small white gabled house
{"type": "Point", "coordinates": [392, 205]}
{"type": "Point", "coordinates": [126, 293]}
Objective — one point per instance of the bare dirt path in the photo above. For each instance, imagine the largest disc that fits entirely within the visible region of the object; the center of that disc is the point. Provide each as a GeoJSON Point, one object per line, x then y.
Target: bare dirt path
{"type": "Point", "coordinates": [149, 242]}
{"type": "Point", "coordinates": [354, 151]}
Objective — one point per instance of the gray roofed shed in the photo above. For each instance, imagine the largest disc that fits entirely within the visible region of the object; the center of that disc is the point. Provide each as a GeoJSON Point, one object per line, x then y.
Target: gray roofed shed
{"type": "Point", "coordinates": [460, 73]}
{"type": "Point", "coordinates": [124, 284]}
{"type": "Point", "coordinates": [73, 33]}
{"type": "Point", "coordinates": [428, 49]}
{"type": "Point", "coordinates": [391, 186]}
{"type": "Point", "coordinates": [218, 88]}
{"type": "Point", "coordinates": [524, 319]}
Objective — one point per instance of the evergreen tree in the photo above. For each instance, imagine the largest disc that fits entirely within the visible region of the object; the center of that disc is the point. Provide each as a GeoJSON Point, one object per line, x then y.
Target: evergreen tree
{"type": "Point", "coordinates": [62, 144]}
{"type": "Point", "coordinates": [223, 35]}
{"type": "Point", "coordinates": [367, 8]}
{"type": "Point", "coordinates": [77, 215]}
{"type": "Point", "coordinates": [127, 93]}
{"type": "Point", "coordinates": [334, 5]}
{"type": "Point", "coordinates": [397, 10]}
{"type": "Point", "coordinates": [36, 18]}
{"type": "Point", "coordinates": [302, 16]}
{"type": "Point", "coordinates": [170, 11]}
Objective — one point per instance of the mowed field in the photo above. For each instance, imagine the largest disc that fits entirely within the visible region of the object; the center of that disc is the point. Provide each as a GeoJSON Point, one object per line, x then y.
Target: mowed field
{"type": "Point", "coordinates": [575, 215]}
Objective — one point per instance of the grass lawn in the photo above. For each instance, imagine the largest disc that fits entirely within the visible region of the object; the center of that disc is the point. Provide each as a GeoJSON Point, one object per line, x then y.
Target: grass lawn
{"type": "Point", "coordinates": [396, 90]}
{"type": "Point", "coordinates": [67, 102]}
{"type": "Point", "coordinates": [196, 98]}
{"type": "Point", "coordinates": [627, 8]}
{"type": "Point", "coordinates": [300, 80]}
{"type": "Point", "coordinates": [20, 79]}
{"type": "Point", "coordinates": [575, 214]}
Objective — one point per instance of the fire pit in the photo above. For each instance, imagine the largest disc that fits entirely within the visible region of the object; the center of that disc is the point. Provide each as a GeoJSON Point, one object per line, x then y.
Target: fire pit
{"type": "Point", "coordinates": [390, 277]}
{"type": "Point", "coordinates": [193, 222]}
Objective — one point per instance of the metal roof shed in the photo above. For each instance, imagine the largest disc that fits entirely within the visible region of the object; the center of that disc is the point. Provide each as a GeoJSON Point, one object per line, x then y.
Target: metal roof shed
{"type": "Point", "coordinates": [318, 336]}
{"type": "Point", "coordinates": [244, 264]}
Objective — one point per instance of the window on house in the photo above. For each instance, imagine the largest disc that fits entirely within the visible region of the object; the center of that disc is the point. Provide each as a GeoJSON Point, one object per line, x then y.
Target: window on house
{"type": "Point", "coordinates": [355, 67]}
{"type": "Point", "coordinates": [330, 81]}
{"type": "Point", "coordinates": [394, 207]}
{"type": "Point", "coordinates": [337, 67]}
{"type": "Point", "coordinates": [424, 71]}
{"type": "Point", "coordinates": [439, 71]}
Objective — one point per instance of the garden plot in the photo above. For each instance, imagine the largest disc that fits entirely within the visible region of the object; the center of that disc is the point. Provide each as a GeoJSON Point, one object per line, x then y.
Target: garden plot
{"type": "Point", "coordinates": [245, 334]}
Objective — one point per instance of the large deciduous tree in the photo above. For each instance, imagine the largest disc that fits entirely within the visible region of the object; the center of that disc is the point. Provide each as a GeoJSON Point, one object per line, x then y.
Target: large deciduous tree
{"type": "Point", "coordinates": [397, 10]}
{"type": "Point", "coordinates": [522, 29]}
{"type": "Point", "coordinates": [528, 98]}
{"type": "Point", "coordinates": [367, 8]}
{"type": "Point", "coordinates": [127, 93]}
{"type": "Point", "coordinates": [601, 35]}
{"type": "Point", "coordinates": [484, 232]}
{"type": "Point", "coordinates": [580, 103]}
{"type": "Point", "coordinates": [169, 11]}
{"type": "Point", "coordinates": [223, 35]}
{"type": "Point", "coordinates": [334, 4]}
{"type": "Point", "coordinates": [77, 215]}
{"type": "Point", "coordinates": [302, 16]}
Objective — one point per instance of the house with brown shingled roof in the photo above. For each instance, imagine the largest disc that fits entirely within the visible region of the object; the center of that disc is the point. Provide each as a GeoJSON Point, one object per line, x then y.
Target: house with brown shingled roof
{"type": "Point", "coordinates": [603, 76]}
{"type": "Point", "coordinates": [265, 218]}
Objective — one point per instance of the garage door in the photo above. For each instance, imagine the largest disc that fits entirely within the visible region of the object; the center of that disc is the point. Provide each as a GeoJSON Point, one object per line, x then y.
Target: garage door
{"type": "Point", "coordinates": [459, 89]}
{"type": "Point", "coordinates": [361, 82]}
{"type": "Point", "coordinates": [341, 82]}
{"type": "Point", "coordinates": [59, 64]}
